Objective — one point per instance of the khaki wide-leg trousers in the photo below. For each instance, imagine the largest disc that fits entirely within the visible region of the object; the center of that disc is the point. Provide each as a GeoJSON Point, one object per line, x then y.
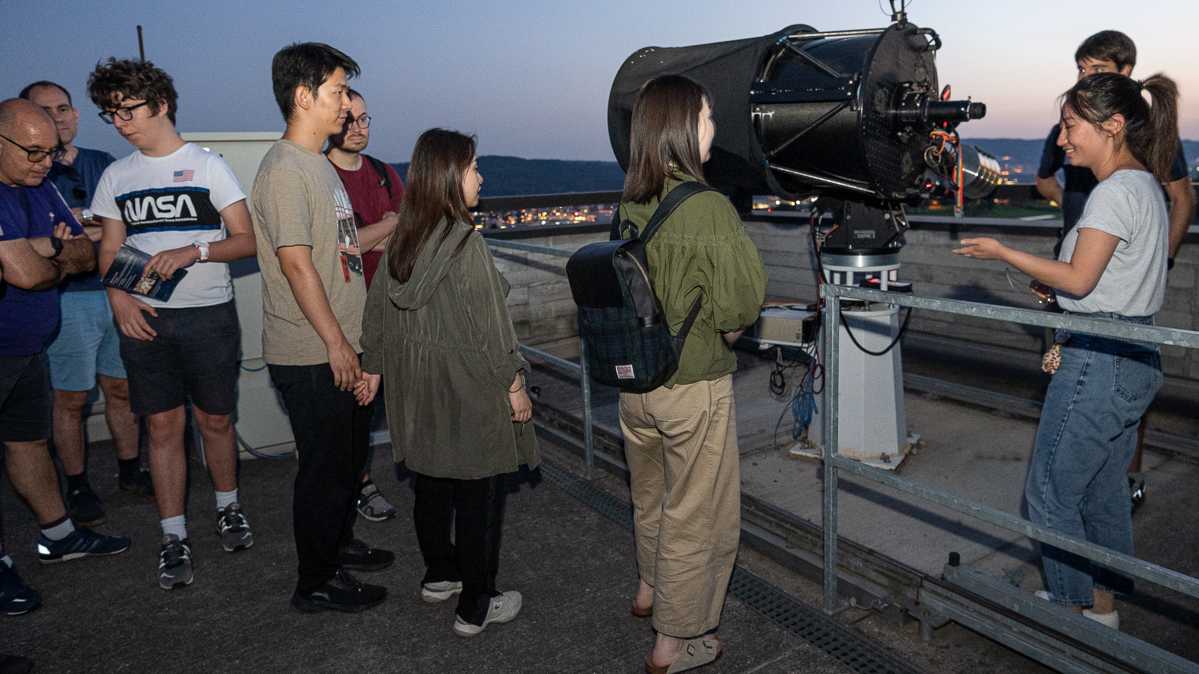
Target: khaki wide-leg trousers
{"type": "Point", "coordinates": [681, 447]}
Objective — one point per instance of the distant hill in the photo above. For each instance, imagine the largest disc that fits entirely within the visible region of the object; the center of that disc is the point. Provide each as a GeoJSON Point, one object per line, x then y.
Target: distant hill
{"type": "Point", "coordinates": [505, 176]}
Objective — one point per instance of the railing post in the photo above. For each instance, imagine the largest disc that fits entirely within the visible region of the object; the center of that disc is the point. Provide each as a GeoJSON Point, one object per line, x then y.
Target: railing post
{"type": "Point", "coordinates": [588, 435]}
{"type": "Point", "coordinates": [828, 511]}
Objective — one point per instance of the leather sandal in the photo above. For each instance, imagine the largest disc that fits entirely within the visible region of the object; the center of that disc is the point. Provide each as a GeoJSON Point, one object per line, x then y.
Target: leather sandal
{"type": "Point", "coordinates": [695, 653]}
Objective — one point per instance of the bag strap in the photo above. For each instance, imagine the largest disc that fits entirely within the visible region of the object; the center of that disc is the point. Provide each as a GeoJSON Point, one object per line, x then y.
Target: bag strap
{"type": "Point", "coordinates": [687, 322]}
{"type": "Point", "coordinates": [381, 171]}
{"type": "Point", "coordinates": [614, 234]}
{"type": "Point", "coordinates": [673, 200]}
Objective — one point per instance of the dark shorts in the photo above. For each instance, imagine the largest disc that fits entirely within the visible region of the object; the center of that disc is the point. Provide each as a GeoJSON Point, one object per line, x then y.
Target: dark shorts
{"type": "Point", "coordinates": [24, 398]}
{"type": "Point", "coordinates": [195, 355]}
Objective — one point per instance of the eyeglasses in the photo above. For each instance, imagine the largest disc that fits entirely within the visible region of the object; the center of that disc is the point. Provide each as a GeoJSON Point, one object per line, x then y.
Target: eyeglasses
{"type": "Point", "coordinates": [36, 155]}
{"type": "Point", "coordinates": [126, 114]}
{"type": "Point", "coordinates": [363, 121]}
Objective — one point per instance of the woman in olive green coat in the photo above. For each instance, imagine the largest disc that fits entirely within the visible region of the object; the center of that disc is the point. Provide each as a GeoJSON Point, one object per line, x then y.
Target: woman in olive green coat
{"type": "Point", "coordinates": [437, 330]}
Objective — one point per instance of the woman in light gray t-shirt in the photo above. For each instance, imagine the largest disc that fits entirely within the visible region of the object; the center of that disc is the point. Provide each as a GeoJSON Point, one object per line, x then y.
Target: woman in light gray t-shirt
{"type": "Point", "coordinates": [1112, 265]}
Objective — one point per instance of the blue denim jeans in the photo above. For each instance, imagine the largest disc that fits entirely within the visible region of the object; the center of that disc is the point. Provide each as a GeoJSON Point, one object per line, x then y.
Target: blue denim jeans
{"type": "Point", "coordinates": [1077, 482]}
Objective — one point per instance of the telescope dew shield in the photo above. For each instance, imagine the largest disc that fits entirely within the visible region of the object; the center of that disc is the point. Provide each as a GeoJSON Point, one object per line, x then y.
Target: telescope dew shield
{"type": "Point", "coordinates": [843, 114]}
{"type": "Point", "coordinates": [728, 70]}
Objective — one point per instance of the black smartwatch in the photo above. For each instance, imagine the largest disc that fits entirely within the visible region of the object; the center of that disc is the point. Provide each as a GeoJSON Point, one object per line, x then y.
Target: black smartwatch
{"type": "Point", "coordinates": [56, 244]}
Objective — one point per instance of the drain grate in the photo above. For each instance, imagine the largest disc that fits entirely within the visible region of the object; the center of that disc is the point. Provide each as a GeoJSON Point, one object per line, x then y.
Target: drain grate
{"type": "Point", "coordinates": [843, 643]}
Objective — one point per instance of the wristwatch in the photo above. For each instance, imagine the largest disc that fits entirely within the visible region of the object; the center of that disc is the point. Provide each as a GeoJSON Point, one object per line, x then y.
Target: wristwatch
{"type": "Point", "coordinates": [56, 244]}
{"type": "Point", "coordinates": [86, 217]}
{"type": "Point", "coordinates": [202, 246]}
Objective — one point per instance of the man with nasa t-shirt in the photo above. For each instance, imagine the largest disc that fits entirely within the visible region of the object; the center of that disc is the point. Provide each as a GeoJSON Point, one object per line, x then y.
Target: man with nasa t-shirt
{"type": "Point", "coordinates": [183, 206]}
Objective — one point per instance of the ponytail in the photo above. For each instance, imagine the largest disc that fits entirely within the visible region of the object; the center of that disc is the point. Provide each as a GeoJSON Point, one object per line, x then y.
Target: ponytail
{"type": "Point", "coordinates": [1151, 131]}
{"type": "Point", "coordinates": [1161, 143]}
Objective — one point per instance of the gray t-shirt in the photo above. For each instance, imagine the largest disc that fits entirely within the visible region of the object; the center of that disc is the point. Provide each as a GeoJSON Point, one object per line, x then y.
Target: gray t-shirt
{"type": "Point", "coordinates": [1128, 205]}
{"type": "Point", "coordinates": [298, 200]}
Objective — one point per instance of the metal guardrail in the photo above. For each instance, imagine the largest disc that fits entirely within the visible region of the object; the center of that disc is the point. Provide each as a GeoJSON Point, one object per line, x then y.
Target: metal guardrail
{"type": "Point", "coordinates": [1127, 649]}
{"type": "Point", "coordinates": [834, 464]}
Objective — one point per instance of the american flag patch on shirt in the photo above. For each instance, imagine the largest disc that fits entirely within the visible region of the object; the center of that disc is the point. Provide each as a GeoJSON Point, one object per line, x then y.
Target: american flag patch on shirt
{"type": "Point", "coordinates": [184, 176]}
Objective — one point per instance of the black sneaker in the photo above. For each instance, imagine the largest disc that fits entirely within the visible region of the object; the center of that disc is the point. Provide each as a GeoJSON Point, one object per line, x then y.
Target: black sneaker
{"type": "Point", "coordinates": [84, 507]}
{"type": "Point", "coordinates": [342, 593]}
{"type": "Point", "coordinates": [82, 542]}
{"type": "Point", "coordinates": [1136, 489]}
{"type": "Point", "coordinates": [234, 529]}
{"type": "Point", "coordinates": [174, 563]}
{"type": "Point", "coordinates": [138, 483]}
{"type": "Point", "coordinates": [373, 506]}
{"type": "Point", "coordinates": [358, 556]}
{"type": "Point", "coordinates": [16, 598]}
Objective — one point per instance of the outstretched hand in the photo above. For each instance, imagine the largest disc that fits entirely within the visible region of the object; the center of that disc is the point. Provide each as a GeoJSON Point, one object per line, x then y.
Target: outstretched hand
{"type": "Point", "coordinates": [981, 248]}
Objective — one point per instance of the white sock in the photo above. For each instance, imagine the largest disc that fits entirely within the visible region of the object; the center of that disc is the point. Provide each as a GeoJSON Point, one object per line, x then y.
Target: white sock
{"type": "Point", "coordinates": [175, 526]}
{"type": "Point", "coordinates": [225, 498]}
{"type": "Point", "coordinates": [59, 531]}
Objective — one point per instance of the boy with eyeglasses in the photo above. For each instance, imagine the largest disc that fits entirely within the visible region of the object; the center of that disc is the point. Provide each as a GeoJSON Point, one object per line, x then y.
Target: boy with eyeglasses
{"type": "Point", "coordinates": [86, 350]}
{"type": "Point", "coordinates": [182, 205]}
{"type": "Point", "coordinates": [375, 193]}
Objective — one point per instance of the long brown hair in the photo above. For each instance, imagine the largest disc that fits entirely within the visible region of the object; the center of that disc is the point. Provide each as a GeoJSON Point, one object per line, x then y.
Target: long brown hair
{"type": "Point", "coordinates": [432, 196]}
{"type": "Point", "coordinates": [1151, 131]}
{"type": "Point", "coordinates": [664, 135]}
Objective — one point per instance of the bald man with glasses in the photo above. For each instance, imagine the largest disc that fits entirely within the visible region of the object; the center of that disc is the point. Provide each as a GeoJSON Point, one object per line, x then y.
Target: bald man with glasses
{"type": "Point", "coordinates": [86, 352]}
{"type": "Point", "coordinates": [40, 244]}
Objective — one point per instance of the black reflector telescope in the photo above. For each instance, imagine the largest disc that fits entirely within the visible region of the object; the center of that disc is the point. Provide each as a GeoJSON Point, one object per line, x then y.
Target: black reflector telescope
{"type": "Point", "coordinates": [843, 114]}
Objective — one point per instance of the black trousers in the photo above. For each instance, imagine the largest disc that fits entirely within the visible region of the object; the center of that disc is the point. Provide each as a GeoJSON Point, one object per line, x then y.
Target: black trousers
{"type": "Point", "coordinates": [332, 436]}
{"type": "Point", "coordinates": [474, 508]}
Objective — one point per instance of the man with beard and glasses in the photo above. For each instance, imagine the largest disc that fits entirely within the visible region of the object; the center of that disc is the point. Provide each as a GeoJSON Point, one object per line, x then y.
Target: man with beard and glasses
{"type": "Point", "coordinates": [375, 193]}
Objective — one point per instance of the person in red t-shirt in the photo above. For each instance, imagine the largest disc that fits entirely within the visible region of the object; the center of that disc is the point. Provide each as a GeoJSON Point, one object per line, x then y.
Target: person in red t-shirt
{"type": "Point", "coordinates": [375, 193]}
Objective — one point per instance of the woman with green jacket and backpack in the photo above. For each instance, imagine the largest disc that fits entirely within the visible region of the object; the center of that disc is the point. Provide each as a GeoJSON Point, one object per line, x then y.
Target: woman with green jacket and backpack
{"type": "Point", "coordinates": [681, 438]}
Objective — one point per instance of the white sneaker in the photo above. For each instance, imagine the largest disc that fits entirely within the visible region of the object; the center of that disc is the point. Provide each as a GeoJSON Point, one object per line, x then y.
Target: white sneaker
{"type": "Point", "coordinates": [1043, 594]}
{"type": "Point", "coordinates": [440, 591]}
{"type": "Point", "coordinates": [502, 609]}
{"type": "Point", "coordinates": [1111, 620]}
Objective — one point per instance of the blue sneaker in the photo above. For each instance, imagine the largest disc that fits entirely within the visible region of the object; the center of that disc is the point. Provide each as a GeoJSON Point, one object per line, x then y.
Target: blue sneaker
{"type": "Point", "coordinates": [16, 598]}
{"type": "Point", "coordinates": [81, 543]}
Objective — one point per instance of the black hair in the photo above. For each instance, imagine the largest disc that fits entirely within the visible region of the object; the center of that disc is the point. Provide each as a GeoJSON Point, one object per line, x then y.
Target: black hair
{"type": "Point", "coordinates": [1108, 45]}
{"type": "Point", "coordinates": [26, 92]}
{"type": "Point", "coordinates": [308, 65]}
{"type": "Point", "coordinates": [1151, 131]}
{"type": "Point", "coordinates": [133, 79]}
{"type": "Point", "coordinates": [354, 93]}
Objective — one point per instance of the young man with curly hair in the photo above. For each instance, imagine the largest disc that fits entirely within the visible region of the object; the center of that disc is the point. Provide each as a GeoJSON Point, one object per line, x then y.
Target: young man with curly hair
{"type": "Point", "coordinates": [182, 205]}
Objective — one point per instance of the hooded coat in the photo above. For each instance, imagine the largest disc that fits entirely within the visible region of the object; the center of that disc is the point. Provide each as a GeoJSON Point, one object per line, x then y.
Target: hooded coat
{"type": "Point", "coordinates": [446, 348]}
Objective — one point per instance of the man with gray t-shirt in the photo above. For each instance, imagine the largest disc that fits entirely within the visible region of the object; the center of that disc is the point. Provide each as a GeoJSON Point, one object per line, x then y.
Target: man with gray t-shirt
{"type": "Point", "coordinates": [313, 296]}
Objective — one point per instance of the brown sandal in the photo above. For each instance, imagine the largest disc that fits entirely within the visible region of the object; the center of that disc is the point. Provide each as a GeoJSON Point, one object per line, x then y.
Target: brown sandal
{"type": "Point", "coordinates": [696, 653]}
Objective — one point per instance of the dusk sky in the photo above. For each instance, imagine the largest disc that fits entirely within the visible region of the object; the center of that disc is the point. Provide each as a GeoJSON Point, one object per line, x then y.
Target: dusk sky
{"type": "Point", "coordinates": [531, 78]}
